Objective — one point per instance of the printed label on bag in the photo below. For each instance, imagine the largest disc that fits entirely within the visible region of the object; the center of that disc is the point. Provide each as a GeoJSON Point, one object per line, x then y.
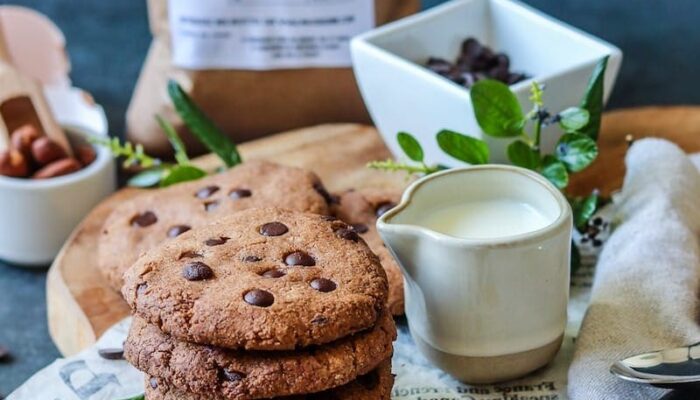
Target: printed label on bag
{"type": "Point", "coordinates": [266, 34]}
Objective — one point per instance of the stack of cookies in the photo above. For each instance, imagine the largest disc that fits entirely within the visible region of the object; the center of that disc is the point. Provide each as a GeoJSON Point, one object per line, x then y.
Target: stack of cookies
{"type": "Point", "coordinates": [266, 303]}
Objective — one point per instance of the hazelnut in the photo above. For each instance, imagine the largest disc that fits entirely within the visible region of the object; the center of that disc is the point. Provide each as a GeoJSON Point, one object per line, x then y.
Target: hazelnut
{"type": "Point", "coordinates": [60, 167]}
{"type": "Point", "coordinates": [45, 151]}
{"type": "Point", "coordinates": [23, 137]}
{"type": "Point", "coordinates": [85, 154]}
{"type": "Point", "coordinates": [13, 163]}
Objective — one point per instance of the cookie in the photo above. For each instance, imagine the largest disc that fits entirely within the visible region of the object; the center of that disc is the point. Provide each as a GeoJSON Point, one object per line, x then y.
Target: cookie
{"type": "Point", "coordinates": [235, 374]}
{"type": "Point", "coordinates": [158, 215]}
{"type": "Point", "coordinates": [361, 208]}
{"type": "Point", "coordinates": [261, 279]}
{"type": "Point", "coordinates": [375, 385]}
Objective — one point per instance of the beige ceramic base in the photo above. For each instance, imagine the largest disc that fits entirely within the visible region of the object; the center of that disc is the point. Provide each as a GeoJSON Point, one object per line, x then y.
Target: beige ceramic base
{"type": "Point", "coordinates": [480, 370]}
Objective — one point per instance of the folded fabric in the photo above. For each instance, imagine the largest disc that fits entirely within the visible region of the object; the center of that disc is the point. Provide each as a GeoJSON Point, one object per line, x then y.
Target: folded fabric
{"type": "Point", "coordinates": [645, 292]}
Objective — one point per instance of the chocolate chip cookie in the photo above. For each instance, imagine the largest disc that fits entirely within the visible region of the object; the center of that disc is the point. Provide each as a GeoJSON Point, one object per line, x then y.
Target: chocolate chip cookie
{"type": "Point", "coordinates": [260, 279]}
{"type": "Point", "coordinates": [375, 385]}
{"type": "Point", "coordinates": [360, 209]}
{"type": "Point", "coordinates": [235, 374]}
{"type": "Point", "coordinates": [158, 215]}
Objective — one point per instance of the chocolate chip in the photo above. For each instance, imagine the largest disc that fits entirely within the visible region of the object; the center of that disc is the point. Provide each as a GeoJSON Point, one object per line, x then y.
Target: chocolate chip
{"type": "Point", "coordinates": [319, 320]}
{"type": "Point", "coordinates": [216, 241]}
{"type": "Point", "coordinates": [153, 382]}
{"type": "Point", "coordinates": [230, 375]}
{"type": "Point", "coordinates": [178, 230]}
{"type": "Point", "coordinates": [197, 271]}
{"type": "Point", "coordinates": [273, 229]}
{"type": "Point", "coordinates": [236, 194]}
{"type": "Point", "coordinates": [273, 273]}
{"type": "Point", "coordinates": [299, 258]}
{"type": "Point", "coordinates": [206, 192]}
{"type": "Point", "coordinates": [323, 285]}
{"type": "Point", "coordinates": [251, 259]}
{"type": "Point", "coordinates": [111, 354]}
{"type": "Point", "coordinates": [328, 218]}
{"type": "Point", "coordinates": [260, 298]}
{"type": "Point", "coordinates": [347, 234]}
{"type": "Point", "coordinates": [383, 208]}
{"type": "Point", "coordinates": [189, 254]}
{"type": "Point", "coordinates": [369, 381]}
{"type": "Point", "coordinates": [211, 205]}
{"type": "Point", "coordinates": [360, 228]}
{"type": "Point", "coordinates": [330, 199]}
{"type": "Point", "coordinates": [144, 219]}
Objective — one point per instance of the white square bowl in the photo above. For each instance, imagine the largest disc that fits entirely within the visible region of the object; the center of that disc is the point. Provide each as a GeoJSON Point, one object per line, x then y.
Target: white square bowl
{"type": "Point", "coordinates": [402, 95]}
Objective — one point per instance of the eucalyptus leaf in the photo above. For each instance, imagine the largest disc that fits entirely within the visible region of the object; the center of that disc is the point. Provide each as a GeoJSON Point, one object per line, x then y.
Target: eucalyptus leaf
{"type": "Point", "coordinates": [593, 99]}
{"type": "Point", "coordinates": [497, 109]}
{"type": "Point", "coordinates": [175, 141]}
{"type": "Point", "coordinates": [181, 173]}
{"type": "Point", "coordinates": [573, 118]}
{"type": "Point", "coordinates": [522, 155]}
{"type": "Point", "coordinates": [410, 146]}
{"type": "Point", "coordinates": [576, 151]}
{"type": "Point", "coordinates": [148, 178]}
{"type": "Point", "coordinates": [462, 147]}
{"type": "Point", "coordinates": [583, 209]}
{"type": "Point", "coordinates": [202, 127]}
{"type": "Point", "coordinates": [555, 171]}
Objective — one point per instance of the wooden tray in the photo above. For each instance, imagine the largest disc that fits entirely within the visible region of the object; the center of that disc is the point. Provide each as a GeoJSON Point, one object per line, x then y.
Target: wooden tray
{"type": "Point", "coordinates": [81, 306]}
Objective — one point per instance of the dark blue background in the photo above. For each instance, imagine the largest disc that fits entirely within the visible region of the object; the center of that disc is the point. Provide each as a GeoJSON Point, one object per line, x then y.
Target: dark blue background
{"type": "Point", "coordinates": [107, 41]}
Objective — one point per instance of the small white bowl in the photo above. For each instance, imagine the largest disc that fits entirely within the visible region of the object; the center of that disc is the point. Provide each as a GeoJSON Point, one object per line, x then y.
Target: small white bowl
{"type": "Point", "coordinates": [36, 216]}
{"type": "Point", "coordinates": [403, 95]}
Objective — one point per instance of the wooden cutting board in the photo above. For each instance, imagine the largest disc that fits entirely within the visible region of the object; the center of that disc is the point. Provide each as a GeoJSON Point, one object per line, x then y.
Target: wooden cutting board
{"type": "Point", "coordinates": [81, 306]}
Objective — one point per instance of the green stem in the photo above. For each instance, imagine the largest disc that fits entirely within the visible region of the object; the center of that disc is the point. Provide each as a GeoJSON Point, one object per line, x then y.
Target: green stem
{"type": "Point", "coordinates": [538, 132]}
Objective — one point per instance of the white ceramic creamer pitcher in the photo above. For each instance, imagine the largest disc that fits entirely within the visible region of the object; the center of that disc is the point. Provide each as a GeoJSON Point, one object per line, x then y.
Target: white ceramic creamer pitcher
{"type": "Point", "coordinates": [484, 309]}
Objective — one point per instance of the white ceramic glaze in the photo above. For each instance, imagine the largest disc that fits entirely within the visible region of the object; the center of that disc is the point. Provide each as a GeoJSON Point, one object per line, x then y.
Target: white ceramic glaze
{"type": "Point", "coordinates": [483, 297]}
{"type": "Point", "coordinates": [36, 216]}
{"type": "Point", "coordinates": [402, 95]}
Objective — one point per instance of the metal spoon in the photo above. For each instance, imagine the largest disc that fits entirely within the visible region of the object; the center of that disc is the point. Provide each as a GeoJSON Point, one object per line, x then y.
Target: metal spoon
{"type": "Point", "coordinates": [677, 368]}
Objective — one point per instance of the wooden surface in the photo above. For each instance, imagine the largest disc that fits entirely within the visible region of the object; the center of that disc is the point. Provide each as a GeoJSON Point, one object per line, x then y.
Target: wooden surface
{"type": "Point", "coordinates": [81, 306]}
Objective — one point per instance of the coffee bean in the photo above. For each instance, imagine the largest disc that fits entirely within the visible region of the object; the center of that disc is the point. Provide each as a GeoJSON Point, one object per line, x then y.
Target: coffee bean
{"type": "Point", "coordinates": [211, 205]}
{"type": "Point", "coordinates": [369, 381]}
{"type": "Point", "coordinates": [383, 208]}
{"type": "Point", "coordinates": [503, 60]}
{"type": "Point", "coordinates": [347, 234]}
{"type": "Point", "coordinates": [197, 271]}
{"type": "Point", "coordinates": [216, 241]}
{"type": "Point", "coordinates": [111, 354]}
{"type": "Point", "coordinates": [240, 193]}
{"type": "Point", "coordinates": [273, 229]}
{"type": "Point", "coordinates": [330, 199]}
{"type": "Point", "coordinates": [153, 382]}
{"type": "Point", "coordinates": [439, 66]}
{"type": "Point", "coordinates": [206, 192]}
{"type": "Point", "coordinates": [360, 228]}
{"type": "Point", "coordinates": [260, 298]}
{"type": "Point", "coordinates": [273, 273]}
{"type": "Point", "coordinates": [323, 285]}
{"type": "Point", "coordinates": [144, 219]}
{"type": "Point", "coordinates": [230, 375]}
{"type": "Point", "coordinates": [178, 230]}
{"type": "Point", "coordinates": [299, 258]}
{"type": "Point", "coordinates": [251, 259]}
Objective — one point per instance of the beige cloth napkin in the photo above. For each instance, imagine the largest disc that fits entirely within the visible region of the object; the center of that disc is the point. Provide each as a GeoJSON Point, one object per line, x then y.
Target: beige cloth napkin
{"type": "Point", "coordinates": [645, 293]}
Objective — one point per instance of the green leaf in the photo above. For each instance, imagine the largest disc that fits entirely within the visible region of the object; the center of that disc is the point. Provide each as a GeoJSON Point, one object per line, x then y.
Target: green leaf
{"type": "Point", "coordinates": [555, 171]}
{"type": "Point", "coordinates": [573, 118]}
{"type": "Point", "coordinates": [202, 127]}
{"type": "Point", "coordinates": [148, 178]}
{"type": "Point", "coordinates": [593, 100]}
{"type": "Point", "coordinates": [575, 258]}
{"type": "Point", "coordinates": [576, 151]}
{"type": "Point", "coordinates": [462, 147]}
{"type": "Point", "coordinates": [410, 146]}
{"type": "Point", "coordinates": [181, 173]}
{"type": "Point", "coordinates": [139, 397]}
{"type": "Point", "coordinates": [583, 209]}
{"type": "Point", "coordinates": [522, 155]}
{"type": "Point", "coordinates": [497, 109]}
{"type": "Point", "coordinates": [175, 141]}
